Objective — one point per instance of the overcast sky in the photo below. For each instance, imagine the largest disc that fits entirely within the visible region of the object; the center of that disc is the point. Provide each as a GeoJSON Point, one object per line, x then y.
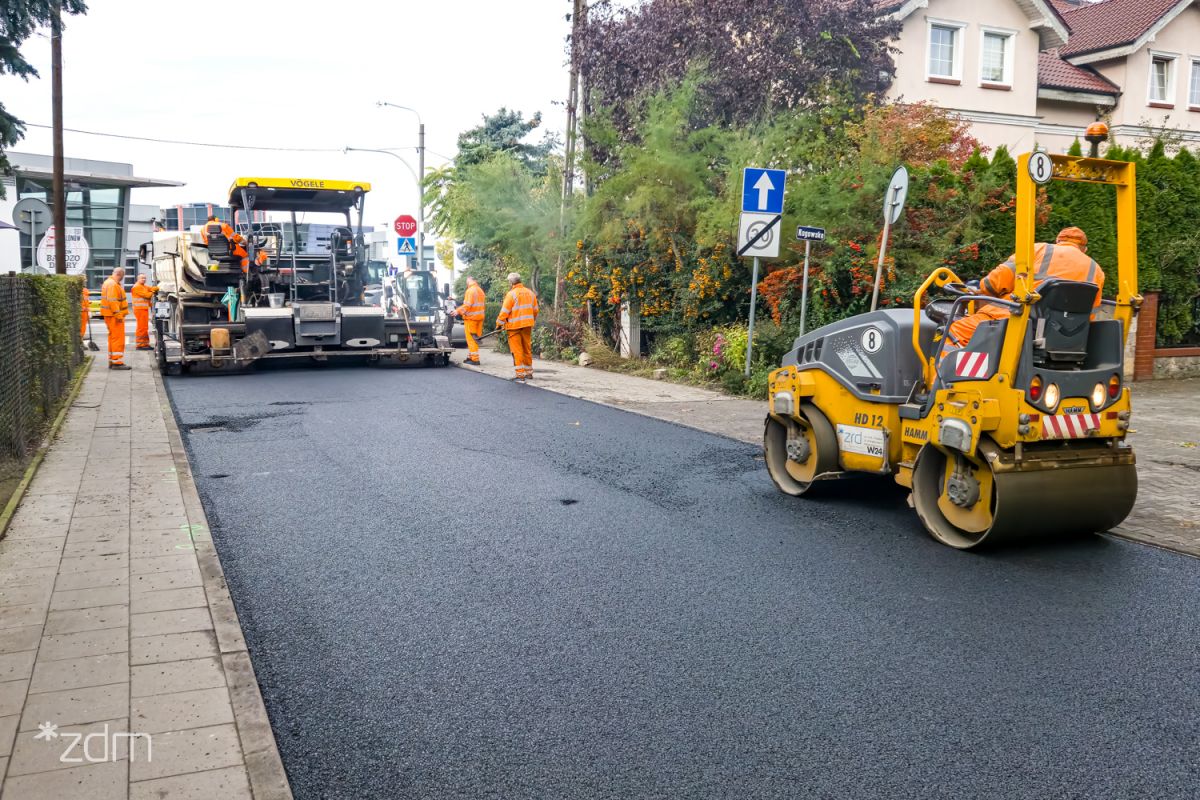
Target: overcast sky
{"type": "Point", "coordinates": [274, 73]}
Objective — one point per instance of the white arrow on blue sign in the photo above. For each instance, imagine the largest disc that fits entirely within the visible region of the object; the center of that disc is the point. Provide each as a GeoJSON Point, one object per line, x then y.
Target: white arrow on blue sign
{"type": "Point", "coordinates": [762, 190]}
{"type": "Point", "coordinates": [406, 246]}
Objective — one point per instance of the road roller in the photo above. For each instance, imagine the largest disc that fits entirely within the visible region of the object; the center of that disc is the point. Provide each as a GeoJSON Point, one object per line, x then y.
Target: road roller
{"type": "Point", "coordinates": [1018, 435]}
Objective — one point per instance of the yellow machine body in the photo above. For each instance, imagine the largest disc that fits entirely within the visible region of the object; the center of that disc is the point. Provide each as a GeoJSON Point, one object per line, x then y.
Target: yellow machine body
{"type": "Point", "coordinates": [985, 460]}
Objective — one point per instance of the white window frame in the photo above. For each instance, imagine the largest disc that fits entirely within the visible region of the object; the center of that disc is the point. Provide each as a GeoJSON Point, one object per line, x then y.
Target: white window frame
{"type": "Point", "coordinates": [957, 59]}
{"type": "Point", "coordinates": [1173, 59]}
{"type": "Point", "coordinates": [1010, 48]}
{"type": "Point", "coordinates": [1193, 66]}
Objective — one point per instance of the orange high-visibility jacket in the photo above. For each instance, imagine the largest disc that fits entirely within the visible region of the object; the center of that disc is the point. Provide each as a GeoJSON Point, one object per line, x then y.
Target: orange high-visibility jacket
{"type": "Point", "coordinates": [1049, 261]}
{"type": "Point", "coordinates": [473, 304]}
{"type": "Point", "coordinates": [112, 300]}
{"type": "Point", "coordinates": [142, 294]}
{"type": "Point", "coordinates": [520, 308]}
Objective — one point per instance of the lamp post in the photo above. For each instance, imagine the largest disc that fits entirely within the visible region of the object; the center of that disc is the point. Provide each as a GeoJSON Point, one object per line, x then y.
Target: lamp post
{"type": "Point", "coordinates": [408, 167]}
{"type": "Point", "coordinates": [420, 172]}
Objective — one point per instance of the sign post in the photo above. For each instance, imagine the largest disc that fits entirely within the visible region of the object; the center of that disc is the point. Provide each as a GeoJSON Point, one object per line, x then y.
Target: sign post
{"type": "Point", "coordinates": [893, 204]}
{"type": "Point", "coordinates": [808, 235]}
{"type": "Point", "coordinates": [758, 232]}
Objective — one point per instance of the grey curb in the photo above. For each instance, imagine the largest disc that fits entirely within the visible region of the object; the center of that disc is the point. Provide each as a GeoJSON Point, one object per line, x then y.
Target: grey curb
{"type": "Point", "coordinates": [268, 779]}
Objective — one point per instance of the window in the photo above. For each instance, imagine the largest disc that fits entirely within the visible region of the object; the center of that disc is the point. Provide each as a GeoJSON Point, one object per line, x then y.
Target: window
{"type": "Point", "coordinates": [1194, 86]}
{"type": "Point", "coordinates": [1162, 69]}
{"type": "Point", "coordinates": [943, 51]}
{"type": "Point", "coordinates": [996, 58]}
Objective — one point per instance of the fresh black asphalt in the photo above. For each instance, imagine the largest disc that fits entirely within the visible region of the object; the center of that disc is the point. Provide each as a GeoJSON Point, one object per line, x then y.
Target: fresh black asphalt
{"type": "Point", "coordinates": [454, 586]}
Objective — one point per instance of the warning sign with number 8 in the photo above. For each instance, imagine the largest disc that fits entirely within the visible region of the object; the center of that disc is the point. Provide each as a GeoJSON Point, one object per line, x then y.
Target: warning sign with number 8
{"type": "Point", "coordinates": [1041, 167]}
{"type": "Point", "coordinates": [872, 340]}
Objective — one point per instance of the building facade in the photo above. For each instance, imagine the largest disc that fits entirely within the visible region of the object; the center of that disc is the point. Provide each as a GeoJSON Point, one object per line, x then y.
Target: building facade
{"type": "Point", "coordinates": [98, 201]}
{"type": "Point", "coordinates": [1029, 73]}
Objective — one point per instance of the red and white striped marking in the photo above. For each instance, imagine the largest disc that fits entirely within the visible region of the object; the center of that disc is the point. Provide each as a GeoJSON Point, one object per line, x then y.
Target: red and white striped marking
{"type": "Point", "coordinates": [1069, 426]}
{"type": "Point", "coordinates": [971, 365]}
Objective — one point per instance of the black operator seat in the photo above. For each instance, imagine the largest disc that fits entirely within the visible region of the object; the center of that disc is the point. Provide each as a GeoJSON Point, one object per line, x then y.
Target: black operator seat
{"type": "Point", "coordinates": [1060, 321]}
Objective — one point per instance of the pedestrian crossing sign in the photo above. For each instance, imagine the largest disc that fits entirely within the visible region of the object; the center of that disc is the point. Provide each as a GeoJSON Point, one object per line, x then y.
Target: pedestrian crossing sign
{"type": "Point", "coordinates": [406, 246]}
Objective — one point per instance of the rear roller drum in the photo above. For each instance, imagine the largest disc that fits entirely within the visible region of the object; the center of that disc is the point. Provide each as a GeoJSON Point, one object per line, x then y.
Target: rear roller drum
{"type": "Point", "coordinates": [964, 503]}
{"type": "Point", "coordinates": [799, 451]}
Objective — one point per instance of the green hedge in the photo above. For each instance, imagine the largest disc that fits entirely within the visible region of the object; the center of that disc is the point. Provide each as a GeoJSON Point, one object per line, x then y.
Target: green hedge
{"type": "Point", "coordinates": [55, 347]}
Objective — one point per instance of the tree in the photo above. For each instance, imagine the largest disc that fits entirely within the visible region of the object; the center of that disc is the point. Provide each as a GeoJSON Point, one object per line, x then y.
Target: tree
{"type": "Point", "coordinates": [759, 57]}
{"type": "Point", "coordinates": [505, 132]}
{"type": "Point", "coordinates": [18, 21]}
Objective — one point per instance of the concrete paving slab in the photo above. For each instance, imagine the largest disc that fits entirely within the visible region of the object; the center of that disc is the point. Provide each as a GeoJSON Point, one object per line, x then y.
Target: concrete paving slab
{"type": "Point", "coordinates": [106, 781]}
{"type": "Point", "coordinates": [230, 783]}
{"type": "Point", "coordinates": [195, 708]}
{"type": "Point", "coordinates": [190, 751]}
{"type": "Point", "coordinates": [167, 599]}
{"type": "Point", "coordinates": [80, 645]}
{"type": "Point", "coordinates": [32, 755]}
{"type": "Point", "coordinates": [79, 673]}
{"type": "Point", "coordinates": [172, 647]}
{"type": "Point", "coordinates": [73, 707]}
{"type": "Point", "coordinates": [176, 676]}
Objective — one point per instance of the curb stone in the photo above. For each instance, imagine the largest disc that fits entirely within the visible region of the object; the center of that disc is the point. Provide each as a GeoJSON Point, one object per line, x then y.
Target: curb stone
{"type": "Point", "coordinates": [268, 778]}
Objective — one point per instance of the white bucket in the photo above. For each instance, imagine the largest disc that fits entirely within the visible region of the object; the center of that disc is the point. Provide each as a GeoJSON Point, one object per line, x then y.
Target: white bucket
{"type": "Point", "coordinates": [275, 299]}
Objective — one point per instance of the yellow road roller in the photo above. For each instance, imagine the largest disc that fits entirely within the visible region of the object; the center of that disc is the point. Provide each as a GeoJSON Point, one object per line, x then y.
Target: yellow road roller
{"type": "Point", "coordinates": [1019, 434]}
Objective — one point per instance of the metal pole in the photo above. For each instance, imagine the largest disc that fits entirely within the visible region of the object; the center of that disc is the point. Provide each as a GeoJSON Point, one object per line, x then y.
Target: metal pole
{"type": "Point", "coordinates": [887, 229]}
{"type": "Point", "coordinates": [750, 332]}
{"type": "Point", "coordinates": [56, 101]}
{"type": "Point", "coordinates": [421, 195]}
{"type": "Point", "coordinates": [804, 286]}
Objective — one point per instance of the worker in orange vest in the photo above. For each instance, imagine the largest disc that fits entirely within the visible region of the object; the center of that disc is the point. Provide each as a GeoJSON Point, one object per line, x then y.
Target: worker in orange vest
{"type": "Point", "coordinates": [141, 312]}
{"type": "Point", "coordinates": [472, 312]}
{"type": "Point", "coordinates": [114, 307]}
{"type": "Point", "coordinates": [87, 310]}
{"type": "Point", "coordinates": [214, 227]}
{"type": "Point", "coordinates": [1066, 259]}
{"type": "Point", "coordinates": [517, 316]}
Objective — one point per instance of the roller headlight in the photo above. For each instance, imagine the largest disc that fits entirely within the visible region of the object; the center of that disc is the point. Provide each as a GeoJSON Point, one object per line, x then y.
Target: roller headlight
{"type": "Point", "coordinates": [1099, 393]}
{"type": "Point", "coordinates": [1052, 397]}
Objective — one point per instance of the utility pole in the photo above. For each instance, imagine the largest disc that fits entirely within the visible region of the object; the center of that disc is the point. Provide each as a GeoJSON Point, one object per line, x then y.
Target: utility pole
{"type": "Point", "coordinates": [56, 100]}
{"type": "Point", "coordinates": [578, 15]}
{"type": "Point", "coordinates": [421, 191]}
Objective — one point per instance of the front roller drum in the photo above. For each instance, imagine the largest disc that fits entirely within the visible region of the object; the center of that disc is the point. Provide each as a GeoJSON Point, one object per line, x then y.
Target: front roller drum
{"type": "Point", "coordinates": [965, 503]}
{"type": "Point", "coordinates": [799, 451]}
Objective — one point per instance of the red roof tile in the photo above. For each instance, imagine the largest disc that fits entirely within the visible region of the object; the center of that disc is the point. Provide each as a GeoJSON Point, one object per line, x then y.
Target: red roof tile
{"type": "Point", "coordinates": [1112, 23]}
{"type": "Point", "coordinates": [1054, 73]}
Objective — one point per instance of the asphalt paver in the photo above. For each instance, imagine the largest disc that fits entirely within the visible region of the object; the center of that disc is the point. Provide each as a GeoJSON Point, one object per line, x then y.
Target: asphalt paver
{"type": "Point", "coordinates": [457, 586]}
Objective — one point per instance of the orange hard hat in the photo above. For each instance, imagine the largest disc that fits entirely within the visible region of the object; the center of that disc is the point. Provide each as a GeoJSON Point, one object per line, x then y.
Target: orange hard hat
{"type": "Point", "coordinates": [1072, 235]}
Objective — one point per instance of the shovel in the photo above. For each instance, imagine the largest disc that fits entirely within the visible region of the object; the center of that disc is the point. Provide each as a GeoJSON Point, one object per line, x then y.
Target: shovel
{"type": "Point", "coordinates": [91, 343]}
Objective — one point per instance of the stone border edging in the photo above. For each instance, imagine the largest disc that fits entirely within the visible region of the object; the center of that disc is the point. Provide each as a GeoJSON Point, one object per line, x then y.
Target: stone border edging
{"type": "Point", "coordinates": [268, 778]}
{"type": "Point", "coordinates": [19, 493]}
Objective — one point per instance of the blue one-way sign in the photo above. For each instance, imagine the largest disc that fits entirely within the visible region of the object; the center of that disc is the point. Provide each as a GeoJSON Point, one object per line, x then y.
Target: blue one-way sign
{"type": "Point", "coordinates": [762, 190]}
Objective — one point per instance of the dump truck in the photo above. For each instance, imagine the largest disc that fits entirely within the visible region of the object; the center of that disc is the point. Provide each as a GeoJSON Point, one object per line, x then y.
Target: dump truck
{"type": "Point", "coordinates": [1019, 435]}
{"type": "Point", "coordinates": [219, 309]}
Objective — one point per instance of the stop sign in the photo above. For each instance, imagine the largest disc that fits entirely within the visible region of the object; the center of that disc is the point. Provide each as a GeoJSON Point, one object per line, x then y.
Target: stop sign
{"type": "Point", "coordinates": [405, 225]}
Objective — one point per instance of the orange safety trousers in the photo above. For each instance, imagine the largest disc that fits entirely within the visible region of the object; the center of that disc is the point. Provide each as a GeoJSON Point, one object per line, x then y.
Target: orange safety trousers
{"type": "Point", "coordinates": [116, 339]}
{"type": "Point", "coordinates": [473, 329]}
{"type": "Point", "coordinates": [87, 310]}
{"type": "Point", "coordinates": [141, 334]}
{"type": "Point", "coordinates": [522, 351]}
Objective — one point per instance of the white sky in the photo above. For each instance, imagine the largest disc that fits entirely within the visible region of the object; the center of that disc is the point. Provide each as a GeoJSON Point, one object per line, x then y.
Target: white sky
{"type": "Point", "coordinates": [267, 73]}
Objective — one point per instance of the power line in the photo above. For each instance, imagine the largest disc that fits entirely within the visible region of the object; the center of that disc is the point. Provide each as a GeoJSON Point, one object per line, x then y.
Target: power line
{"type": "Point", "coordinates": [216, 144]}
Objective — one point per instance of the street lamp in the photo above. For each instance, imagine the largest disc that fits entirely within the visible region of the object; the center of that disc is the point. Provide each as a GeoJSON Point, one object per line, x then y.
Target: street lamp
{"type": "Point", "coordinates": [407, 166]}
{"type": "Point", "coordinates": [420, 171]}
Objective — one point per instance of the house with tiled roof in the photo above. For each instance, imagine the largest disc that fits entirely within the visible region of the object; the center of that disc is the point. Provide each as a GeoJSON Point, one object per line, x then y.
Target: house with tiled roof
{"type": "Point", "coordinates": [1028, 72]}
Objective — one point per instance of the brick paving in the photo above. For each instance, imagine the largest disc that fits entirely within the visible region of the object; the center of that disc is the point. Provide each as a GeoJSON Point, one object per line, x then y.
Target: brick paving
{"type": "Point", "coordinates": [114, 619]}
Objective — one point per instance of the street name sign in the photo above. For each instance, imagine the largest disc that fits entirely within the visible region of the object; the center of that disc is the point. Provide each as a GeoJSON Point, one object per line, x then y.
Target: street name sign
{"type": "Point", "coordinates": [762, 190]}
{"type": "Point", "coordinates": [806, 234]}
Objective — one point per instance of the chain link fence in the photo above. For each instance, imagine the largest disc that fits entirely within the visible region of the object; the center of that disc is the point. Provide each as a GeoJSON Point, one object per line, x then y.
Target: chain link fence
{"type": "Point", "coordinates": [40, 347]}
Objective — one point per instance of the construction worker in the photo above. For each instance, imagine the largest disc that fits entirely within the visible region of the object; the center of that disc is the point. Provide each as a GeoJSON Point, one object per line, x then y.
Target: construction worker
{"type": "Point", "coordinates": [1066, 259]}
{"type": "Point", "coordinates": [517, 316]}
{"type": "Point", "coordinates": [214, 227]}
{"type": "Point", "coordinates": [141, 312]}
{"type": "Point", "coordinates": [114, 307]}
{"type": "Point", "coordinates": [472, 312]}
{"type": "Point", "coordinates": [87, 310]}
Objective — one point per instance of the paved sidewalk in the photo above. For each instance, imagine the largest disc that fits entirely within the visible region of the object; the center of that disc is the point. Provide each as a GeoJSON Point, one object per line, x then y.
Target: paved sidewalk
{"type": "Point", "coordinates": [114, 619]}
{"type": "Point", "coordinates": [1166, 434]}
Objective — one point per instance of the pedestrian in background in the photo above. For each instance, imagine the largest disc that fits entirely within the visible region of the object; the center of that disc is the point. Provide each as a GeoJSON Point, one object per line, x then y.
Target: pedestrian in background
{"type": "Point", "coordinates": [517, 317]}
{"type": "Point", "coordinates": [114, 307]}
{"type": "Point", "coordinates": [472, 312]}
{"type": "Point", "coordinates": [87, 310]}
{"type": "Point", "coordinates": [141, 312]}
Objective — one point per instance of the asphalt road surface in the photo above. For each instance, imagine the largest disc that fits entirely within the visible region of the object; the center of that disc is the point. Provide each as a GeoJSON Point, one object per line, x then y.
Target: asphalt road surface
{"type": "Point", "coordinates": [454, 586]}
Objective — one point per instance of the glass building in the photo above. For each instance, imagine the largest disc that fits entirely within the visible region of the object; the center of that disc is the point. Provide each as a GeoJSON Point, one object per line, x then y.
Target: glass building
{"type": "Point", "coordinates": [190, 215]}
{"type": "Point", "coordinates": [98, 194]}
